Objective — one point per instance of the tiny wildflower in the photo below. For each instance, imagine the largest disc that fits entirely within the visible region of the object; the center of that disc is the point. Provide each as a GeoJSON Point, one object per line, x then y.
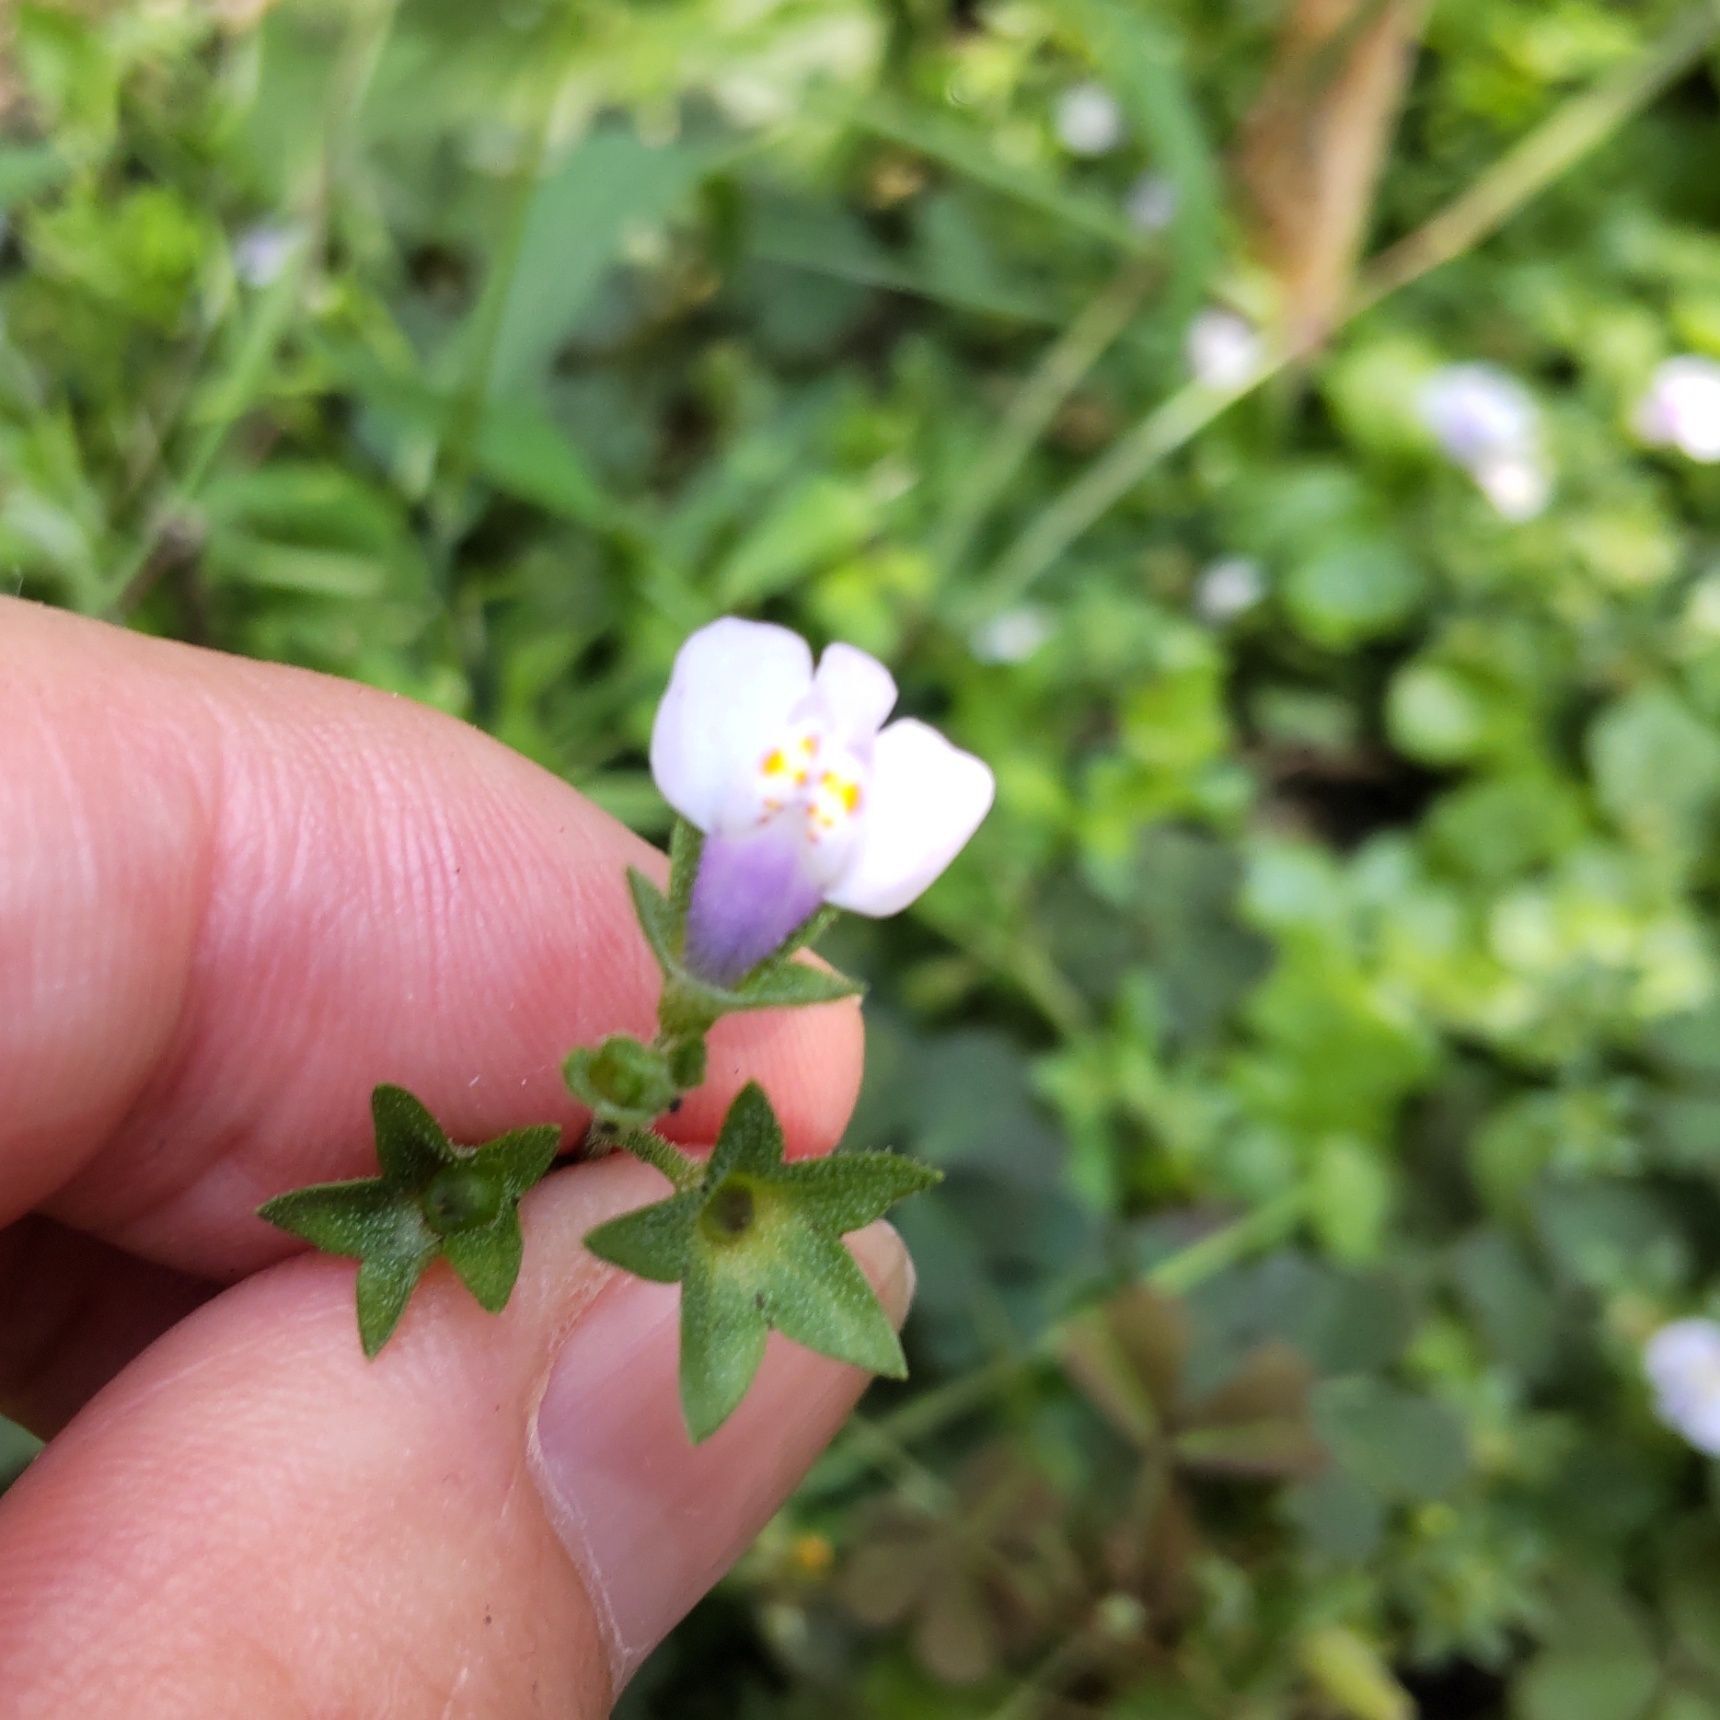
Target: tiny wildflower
{"type": "Point", "coordinates": [1011, 637]}
{"type": "Point", "coordinates": [1089, 121]}
{"type": "Point", "coordinates": [804, 795]}
{"type": "Point", "coordinates": [1487, 423]}
{"type": "Point", "coordinates": [1151, 203]}
{"type": "Point", "coordinates": [1682, 408]}
{"type": "Point", "coordinates": [261, 252]}
{"type": "Point", "coordinates": [1222, 348]}
{"type": "Point", "coordinates": [1682, 1362]}
{"type": "Point", "coordinates": [1228, 587]}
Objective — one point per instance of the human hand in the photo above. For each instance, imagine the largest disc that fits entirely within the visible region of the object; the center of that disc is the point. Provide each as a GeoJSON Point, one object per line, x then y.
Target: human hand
{"type": "Point", "coordinates": [232, 898]}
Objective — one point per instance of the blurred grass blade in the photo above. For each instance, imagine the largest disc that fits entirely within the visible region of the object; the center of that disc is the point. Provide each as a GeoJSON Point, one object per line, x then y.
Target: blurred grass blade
{"type": "Point", "coordinates": [1143, 63]}
{"type": "Point", "coordinates": [575, 228]}
{"type": "Point", "coordinates": [974, 157]}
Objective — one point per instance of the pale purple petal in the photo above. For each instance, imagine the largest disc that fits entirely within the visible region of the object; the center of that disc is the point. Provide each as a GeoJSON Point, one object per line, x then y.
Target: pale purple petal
{"type": "Point", "coordinates": [925, 799]}
{"type": "Point", "coordinates": [1480, 413]}
{"type": "Point", "coordinates": [750, 892]}
{"type": "Point", "coordinates": [734, 687]}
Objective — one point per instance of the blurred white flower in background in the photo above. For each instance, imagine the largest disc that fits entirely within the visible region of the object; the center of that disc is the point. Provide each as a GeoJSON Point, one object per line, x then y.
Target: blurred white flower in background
{"type": "Point", "coordinates": [1487, 422]}
{"type": "Point", "coordinates": [1151, 204]}
{"type": "Point", "coordinates": [1228, 587]}
{"type": "Point", "coordinates": [1011, 637]}
{"type": "Point", "coordinates": [1682, 1362]}
{"type": "Point", "coordinates": [1682, 408]}
{"type": "Point", "coordinates": [1088, 120]}
{"type": "Point", "coordinates": [1222, 348]}
{"type": "Point", "coordinates": [261, 252]}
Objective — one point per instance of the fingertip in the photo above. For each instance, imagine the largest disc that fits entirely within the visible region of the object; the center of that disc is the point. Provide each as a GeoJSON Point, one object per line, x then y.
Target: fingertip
{"type": "Point", "coordinates": [809, 1062]}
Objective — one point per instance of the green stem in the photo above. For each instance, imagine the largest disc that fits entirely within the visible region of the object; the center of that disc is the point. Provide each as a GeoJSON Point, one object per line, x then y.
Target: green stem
{"type": "Point", "coordinates": [1181, 1272]}
{"type": "Point", "coordinates": [1526, 170]}
{"type": "Point", "coordinates": [1519, 175]}
{"type": "Point", "coordinates": [684, 1172]}
{"type": "Point", "coordinates": [1059, 372]}
{"type": "Point", "coordinates": [1177, 1274]}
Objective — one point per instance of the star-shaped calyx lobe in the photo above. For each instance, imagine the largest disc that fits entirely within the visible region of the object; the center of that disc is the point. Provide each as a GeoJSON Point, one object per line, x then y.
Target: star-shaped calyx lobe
{"type": "Point", "coordinates": [433, 1199]}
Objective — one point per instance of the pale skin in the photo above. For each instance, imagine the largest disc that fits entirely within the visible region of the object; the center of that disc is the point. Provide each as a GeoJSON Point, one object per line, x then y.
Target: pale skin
{"type": "Point", "coordinates": [233, 897]}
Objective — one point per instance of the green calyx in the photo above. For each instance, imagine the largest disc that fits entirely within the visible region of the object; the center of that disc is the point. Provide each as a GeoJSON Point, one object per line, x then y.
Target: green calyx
{"type": "Point", "coordinates": [691, 1004]}
{"type": "Point", "coordinates": [756, 1244]}
{"type": "Point", "coordinates": [623, 1080]}
{"type": "Point", "coordinates": [462, 1197]}
{"type": "Point", "coordinates": [432, 1200]}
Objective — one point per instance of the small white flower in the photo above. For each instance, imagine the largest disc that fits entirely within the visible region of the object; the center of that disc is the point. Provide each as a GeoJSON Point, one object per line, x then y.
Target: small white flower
{"type": "Point", "coordinates": [1682, 1362]}
{"type": "Point", "coordinates": [261, 252]}
{"type": "Point", "coordinates": [1089, 121]}
{"type": "Point", "coordinates": [1487, 422]}
{"type": "Point", "coordinates": [1222, 348]}
{"type": "Point", "coordinates": [1682, 408]}
{"type": "Point", "coordinates": [1151, 204]}
{"type": "Point", "coordinates": [1228, 587]}
{"type": "Point", "coordinates": [803, 793]}
{"type": "Point", "coordinates": [1518, 486]}
{"type": "Point", "coordinates": [1011, 637]}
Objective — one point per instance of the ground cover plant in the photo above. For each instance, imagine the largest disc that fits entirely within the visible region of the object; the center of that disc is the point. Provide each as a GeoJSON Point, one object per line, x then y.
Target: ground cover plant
{"type": "Point", "coordinates": [1246, 426]}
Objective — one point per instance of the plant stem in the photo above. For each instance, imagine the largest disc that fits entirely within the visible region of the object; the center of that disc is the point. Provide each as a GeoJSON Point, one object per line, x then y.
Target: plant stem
{"type": "Point", "coordinates": [1176, 1275]}
{"type": "Point", "coordinates": [1230, 1244]}
{"type": "Point", "coordinates": [684, 1172]}
{"type": "Point", "coordinates": [1058, 373]}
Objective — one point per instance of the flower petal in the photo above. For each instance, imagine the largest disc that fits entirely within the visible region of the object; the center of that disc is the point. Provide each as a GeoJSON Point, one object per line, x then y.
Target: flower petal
{"type": "Point", "coordinates": [734, 686]}
{"type": "Point", "coordinates": [925, 799]}
{"type": "Point", "coordinates": [856, 690]}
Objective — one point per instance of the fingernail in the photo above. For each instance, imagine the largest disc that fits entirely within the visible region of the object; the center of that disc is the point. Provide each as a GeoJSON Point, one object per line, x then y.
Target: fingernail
{"type": "Point", "coordinates": [651, 1519]}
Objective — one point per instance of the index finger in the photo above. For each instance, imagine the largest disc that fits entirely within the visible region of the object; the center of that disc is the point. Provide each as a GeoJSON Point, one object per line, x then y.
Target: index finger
{"type": "Point", "coordinates": [235, 896]}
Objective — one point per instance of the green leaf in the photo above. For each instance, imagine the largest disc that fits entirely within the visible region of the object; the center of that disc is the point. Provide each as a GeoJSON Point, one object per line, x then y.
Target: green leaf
{"type": "Point", "coordinates": [812, 522]}
{"type": "Point", "coordinates": [433, 1198]}
{"type": "Point", "coordinates": [1353, 588]}
{"type": "Point", "coordinates": [488, 1260]}
{"type": "Point", "coordinates": [759, 1244]}
{"type": "Point", "coordinates": [1656, 767]}
{"type": "Point", "coordinates": [657, 920]}
{"type": "Point", "coordinates": [410, 1144]}
{"type": "Point", "coordinates": [1403, 1446]}
{"type": "Point", "coordinates": [792, 985]}
{"type": "Point", "coordinates": [686, 844]}
{"type": "Point", "coordinates": [849, 1190]}
{"type": "Point", "coordinates": [815, 1293]}
{"type": "Point", "coordinates": [1600, 1662]}
{"type": "Point", "coordinates": [723, 1331]}
{"type": "Point", "coordinates": [652, 1242]}
{"type": "Point", "coordinates": [750, 1139]}
{"type": "Point", "coordinates": [385, 1284]}
{"type": "Point", "coordinates": [579, 215]}
{"type": "Point", "coordinates": [358, 1219]}
{"type": "Point", "coordinates": [522, 1157]}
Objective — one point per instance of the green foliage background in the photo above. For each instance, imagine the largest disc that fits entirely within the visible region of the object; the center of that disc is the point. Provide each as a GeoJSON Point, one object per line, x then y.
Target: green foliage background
{"type": "Point", "coordinates": [1344, 970]}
